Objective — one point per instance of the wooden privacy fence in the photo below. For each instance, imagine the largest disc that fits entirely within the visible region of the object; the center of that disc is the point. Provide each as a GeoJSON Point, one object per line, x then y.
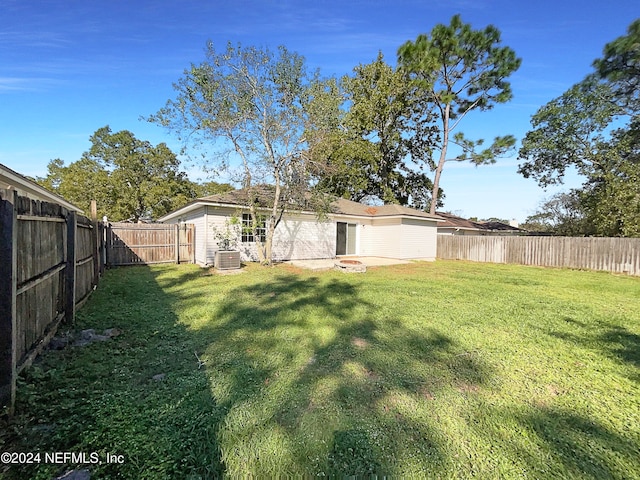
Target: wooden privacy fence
{"type": "Point", "coordinates": [621, 255]}
{"type": "Point", "coordinates": [50, 262]}
{"type": "Point", "coordinates": [135, 244]}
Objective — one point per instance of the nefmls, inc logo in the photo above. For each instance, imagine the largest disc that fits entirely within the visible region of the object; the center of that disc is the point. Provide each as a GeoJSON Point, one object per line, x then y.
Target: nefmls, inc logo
{"type": "Point", "coordinates": [72, 457]}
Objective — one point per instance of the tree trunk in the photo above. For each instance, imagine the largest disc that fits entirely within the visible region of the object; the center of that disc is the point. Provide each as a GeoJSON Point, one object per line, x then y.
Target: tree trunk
{"type": "Point", "coordinates": [443, 157]}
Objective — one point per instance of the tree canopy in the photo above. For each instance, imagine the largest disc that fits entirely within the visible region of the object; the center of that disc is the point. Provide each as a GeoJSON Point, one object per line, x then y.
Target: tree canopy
{"type": "Point", "coordinates": [594, 127]}
{"type": "Point", "coordinates": [561, 214]}
{"type": "Point", "coordinates": [130, 179]}
{"type": "Point", "coordinates": [461, 70]}
{"type": "Point", "coordinates": [257, 105]}
{"type": "Point", "coordinates": [378, 146]}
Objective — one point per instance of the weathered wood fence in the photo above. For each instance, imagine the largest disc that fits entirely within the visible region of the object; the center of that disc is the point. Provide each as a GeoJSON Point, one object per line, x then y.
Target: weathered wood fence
{"type": "Point", "coordinates": [50, 261]}
{"type": "Point", "coordinates": [620, 255]}
{"type": "Point", "coordinates": [135, 244]}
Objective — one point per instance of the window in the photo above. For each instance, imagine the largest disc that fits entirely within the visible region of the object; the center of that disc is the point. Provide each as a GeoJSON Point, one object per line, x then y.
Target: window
{"type": "Point", "coordinates": [247, 231]}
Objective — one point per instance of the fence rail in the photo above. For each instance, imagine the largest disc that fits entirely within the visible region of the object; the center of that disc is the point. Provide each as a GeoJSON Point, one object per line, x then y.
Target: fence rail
{"type": "Point", "coordinates": [135, 244]}
{"type": "Point", "coordinates": [49, 263]}
{"type": "Point", "coordinates": [619, 255]}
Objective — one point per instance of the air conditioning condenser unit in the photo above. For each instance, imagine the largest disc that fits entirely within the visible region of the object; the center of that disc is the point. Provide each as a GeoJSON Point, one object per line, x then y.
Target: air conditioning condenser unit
{"type": "Point", "coordinates": [227, 260]}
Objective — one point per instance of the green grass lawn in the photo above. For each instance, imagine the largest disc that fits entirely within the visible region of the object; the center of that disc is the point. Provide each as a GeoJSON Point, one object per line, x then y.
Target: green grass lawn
{"type": "Point", "coordinates": [445, 370]}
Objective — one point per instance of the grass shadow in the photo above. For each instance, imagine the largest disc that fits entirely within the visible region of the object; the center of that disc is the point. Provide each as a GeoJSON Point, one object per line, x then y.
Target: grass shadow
{"type": "Point", "coordinates": [140, 395]}
{"type": "Point", "coordinates": [614, 341]}
{"type": "Point", "coordinates": [573, 445]}
{"type": "Point", "coordinates": [315, 380]}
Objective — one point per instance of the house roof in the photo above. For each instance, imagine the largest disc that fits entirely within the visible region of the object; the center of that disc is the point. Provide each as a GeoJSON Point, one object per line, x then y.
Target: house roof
{"type": "Point", "coordinates": [25, 186]}
{"type": "Point", "coordinates": [453, 221]}
{"type": "Point", "coordinates": [349, 207]}
{"type": "Point", "coordinates": [261, 194]}
{"type": "Point", "coordinates": [340, 206]}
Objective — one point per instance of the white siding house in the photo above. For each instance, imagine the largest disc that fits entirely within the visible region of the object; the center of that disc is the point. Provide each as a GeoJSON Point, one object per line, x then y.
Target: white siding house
{"type": "Point", "coordinates": [351, 229]}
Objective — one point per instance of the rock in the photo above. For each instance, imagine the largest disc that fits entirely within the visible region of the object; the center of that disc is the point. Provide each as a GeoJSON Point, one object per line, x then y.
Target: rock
{"type": "Point", "coordinates": [112, 332]}
{"type": "Point", "coordinates": [87, 334]}
{"type": "Point", "coordinates": [44, 428]}
{"type": "Point", "coordinates": [58, 343]}
{"type": "Point", "coordinates": [159, 377]}
{"type": "Point", "coordinates": [75, 475]}
{"type": "Point", "coordinates": [100, 338]}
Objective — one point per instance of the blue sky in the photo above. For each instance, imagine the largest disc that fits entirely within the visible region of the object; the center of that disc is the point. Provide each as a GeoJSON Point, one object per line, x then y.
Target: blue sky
{"type": "Point", "coordinates": [70, 67]}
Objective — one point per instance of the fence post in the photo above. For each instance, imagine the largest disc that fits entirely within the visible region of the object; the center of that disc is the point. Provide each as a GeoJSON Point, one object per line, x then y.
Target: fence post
{"type": "Point", "coordinates": [8, 279]}
{"type": "Point", "coordinates": [95, 243]}
{"type": "Point", "coordinates": [105, 239]}
{"type": "Point", "coordinates": [70, 269]}
{"type": "Point", "coordinates": [177, 243]}
{"type": "Point", "coordinates": [192, 230]}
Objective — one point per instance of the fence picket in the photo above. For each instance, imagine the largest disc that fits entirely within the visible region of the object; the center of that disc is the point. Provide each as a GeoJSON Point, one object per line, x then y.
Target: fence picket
{"type": "Point", "coordinates": [48, 257]}
{"type": "Point", "coordinates": [139, 244]}
{"type": "Point", "coordinates": [594, 253]}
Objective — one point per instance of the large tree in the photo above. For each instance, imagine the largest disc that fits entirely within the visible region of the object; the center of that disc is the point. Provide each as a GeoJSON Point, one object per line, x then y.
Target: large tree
{"type": "Point", "coordinates": [569, 131]}
{"type": "Point", "coordinates": [462, 70]}
{"type": "Point", "coordinates": [146, 179]}
{"type": "Point", "coordinates": [620, 68]}
{"type": "Point", "coordinates": [252, 102]}
{"type": "Point", "coordinates": [562, 214]}
{"type": "Point", "coordinates": [381, 141]}
{"type": "Point", "coordinates": [80, 182]}
{"type": "Point", "coordinates": [594, 128]}
{"type": "Point", "coordinates": [130, 179]}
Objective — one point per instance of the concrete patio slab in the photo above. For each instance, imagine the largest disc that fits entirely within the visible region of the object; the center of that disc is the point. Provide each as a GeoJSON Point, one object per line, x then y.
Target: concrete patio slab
{"type": "Point", "coordinates": [329, 263]}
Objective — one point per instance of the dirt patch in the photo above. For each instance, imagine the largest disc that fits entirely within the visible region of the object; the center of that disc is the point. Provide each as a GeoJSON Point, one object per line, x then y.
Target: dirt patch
{"type": "Point", "coordinates": [360, 343]}
{"type": "Point", "coordinates": [467, 388]}
{"type": "Point", "coordinates": [554, 390]}
{"type": "Point", "coordinates": [236, 271]}
{"type": "Point", "coordinates": [371, 375]}
{"type": "Point", "coordinates": [426, 394]}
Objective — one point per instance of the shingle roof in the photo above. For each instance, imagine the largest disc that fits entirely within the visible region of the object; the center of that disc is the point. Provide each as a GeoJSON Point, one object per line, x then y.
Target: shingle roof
{"type": "Point", "coordinates": [348, 207]}
{"type": "Point", "coordinates": [263, 195]}
{"type": "Point", "coordinates": [453, 221]}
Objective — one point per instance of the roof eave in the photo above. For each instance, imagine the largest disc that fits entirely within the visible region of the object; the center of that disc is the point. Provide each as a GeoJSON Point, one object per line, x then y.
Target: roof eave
{"type": "Point", "coordinates": [29, 186]}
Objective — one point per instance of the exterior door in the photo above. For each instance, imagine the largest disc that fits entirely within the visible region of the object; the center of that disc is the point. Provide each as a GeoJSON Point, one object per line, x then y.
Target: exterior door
{"type": "Point", "coordinates": [346, 238]}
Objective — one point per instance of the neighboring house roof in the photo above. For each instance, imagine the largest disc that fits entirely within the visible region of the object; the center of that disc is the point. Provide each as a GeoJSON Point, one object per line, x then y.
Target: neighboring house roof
{"type": "Point", "coordinates": [453, 221]}
{"type": "Point", "coordinates": [499, 226]}
{"type": "Point", "coordinates": [29, 188]}
{"type": "Point", "coordinates": [341, 206]}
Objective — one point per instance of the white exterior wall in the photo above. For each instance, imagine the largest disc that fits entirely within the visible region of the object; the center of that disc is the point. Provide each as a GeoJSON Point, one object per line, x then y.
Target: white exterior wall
{"type": "Point", "coordinates": [383, 238]}
{"type": "Point", "coordinates": [303, 237]}
{"type": "Point", "coordinates": [365, 241]}
{"type": "Point", "coordinates": [296, 237]}
{"type": "Point", "coordinates": [418, 239]}
{"type": "Point", "coordinates": [404, 238]}
{"type": "Point", "coordinates": [300, 237]}
{"type": "Point", "coordinates": [196, 217]}
{"type": "Point", "coordinates": [215, 218]}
